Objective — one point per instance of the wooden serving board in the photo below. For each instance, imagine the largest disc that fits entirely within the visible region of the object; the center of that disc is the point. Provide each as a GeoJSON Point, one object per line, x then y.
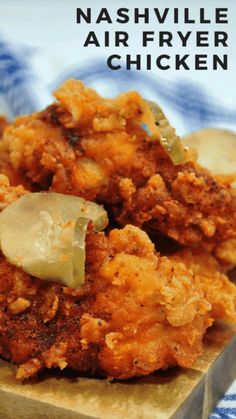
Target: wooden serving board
{"type": "Point", "coordinates": [177, 393]}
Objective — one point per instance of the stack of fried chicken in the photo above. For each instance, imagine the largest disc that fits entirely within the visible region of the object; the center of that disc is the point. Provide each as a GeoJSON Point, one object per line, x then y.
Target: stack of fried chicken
{"type": "Point", "coordinates": [155, 279]}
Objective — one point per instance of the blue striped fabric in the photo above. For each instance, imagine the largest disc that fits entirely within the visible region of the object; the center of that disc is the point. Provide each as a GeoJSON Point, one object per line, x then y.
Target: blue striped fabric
{"type": "Point", "coordinates": [226, 408]}
{"type": "Point", "coordinates": [15, 80]}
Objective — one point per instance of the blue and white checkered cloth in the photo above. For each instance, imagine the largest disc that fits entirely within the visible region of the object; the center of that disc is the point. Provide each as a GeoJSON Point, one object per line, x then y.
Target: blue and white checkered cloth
{"type": "Point", "coordinates": [22, 91]}
{"type": "Point", "coordinates": [226, 408]}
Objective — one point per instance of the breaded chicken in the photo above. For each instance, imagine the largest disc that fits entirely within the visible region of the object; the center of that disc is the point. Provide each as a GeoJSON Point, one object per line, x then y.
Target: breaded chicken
{"type": "Point", "coordinates": [214, 282]}
{"type": "Point", "coordinates": [225, 252]}
{"type": "Point", "coordinates": [3, 124]}
{"type": "Point", "coordinates": [136, 312]}
{"type": "Point", "coordinates": [99, 149]}
{"type": "Point", "coordinates": [8, 193]}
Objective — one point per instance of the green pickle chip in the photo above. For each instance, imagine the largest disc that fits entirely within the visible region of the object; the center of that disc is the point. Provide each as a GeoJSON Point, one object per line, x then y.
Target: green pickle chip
{"type": "Point", "coordinates": [168, 137]}
{"type": "Point", "coordinates": [44, 234]}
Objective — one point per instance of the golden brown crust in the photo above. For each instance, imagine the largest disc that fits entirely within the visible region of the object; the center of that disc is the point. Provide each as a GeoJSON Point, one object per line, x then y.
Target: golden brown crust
{"type": "Point", "coordinates": [3, 124]}
{"type": "Point", "coordinates": [97, 148]}
{"type": "Point", "coordinates": [218, 290]}
{"type": "Point", "coordinates": [9, 194]}
{"type": "Point", "coordinates": [137, 312]}
{"type": "Point", "coordinates": [225, 252]}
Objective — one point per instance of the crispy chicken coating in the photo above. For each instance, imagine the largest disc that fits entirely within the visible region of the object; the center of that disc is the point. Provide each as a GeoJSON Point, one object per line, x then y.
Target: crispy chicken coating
{"type": "Point", "coordinates": [3, 124]}
{"type": "Point", "coordinates": [215, 284]}
{"type": "Point", "coordinates": [98, 148]}
{"type": "Point", "coordinates": [225, 252]}
{"type": "Point", "coordinates": [137, 312]}
{"type": "Point", "coordinates": [9, 194]}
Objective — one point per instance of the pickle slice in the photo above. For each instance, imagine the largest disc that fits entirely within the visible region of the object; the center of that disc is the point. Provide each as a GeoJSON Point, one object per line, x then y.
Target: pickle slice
{"type": "Point", "coordinates": [216, 149]}
{"type": "Point", "coordinates": [168, 137]}
{"type": "Point", "coordinates": [44, 234]}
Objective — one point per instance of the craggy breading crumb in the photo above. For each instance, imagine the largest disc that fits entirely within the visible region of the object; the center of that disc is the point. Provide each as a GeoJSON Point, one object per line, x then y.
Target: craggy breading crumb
{"type": "Point", "coordinates": [134, 305]}
{"type": "Point", "coordinates": [225, 252]}
{"type": "Point", "coordinates": [217, 288]}
{"type": "Point", "coordinates": [137, 311]}
{"type": "Point", "coordinates": [98, 148]}
{"type": "Point", "coordinates": [19, 305]}
{"type": "Point", "coordinates": [51, 312]}
{"type": "Point", "coordinates": [9, 194]}
{"type": "Point", "coordinates": [3, 124]}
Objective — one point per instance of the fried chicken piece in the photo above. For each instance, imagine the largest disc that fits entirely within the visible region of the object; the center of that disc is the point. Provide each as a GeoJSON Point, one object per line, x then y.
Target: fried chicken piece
{"type": "Point", "coordinates": [225, 252]}
{"type": "Point", "coordinates": [3, 124]}
{"type": "Point", "coordinates": [98, 148]}
{"type": "Point", "coordinates": [136, 312]}
{"type": "Point", "coordinates": [217, 288]}
{"type": "Point", "coordinates": [227, 180]}
{"type": "Point", "coordinates": [155, 312]}
{"type": "Point", "coordinates": [9, 194]}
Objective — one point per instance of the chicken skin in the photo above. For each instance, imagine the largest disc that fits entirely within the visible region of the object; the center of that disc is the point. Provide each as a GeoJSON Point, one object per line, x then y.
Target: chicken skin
{"type": "Point", "coordinates": [214, 282]}
{"type": "Point", "coordinates": [99, 149]}
{"type": "Point", "coordinates": [136, 312]}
